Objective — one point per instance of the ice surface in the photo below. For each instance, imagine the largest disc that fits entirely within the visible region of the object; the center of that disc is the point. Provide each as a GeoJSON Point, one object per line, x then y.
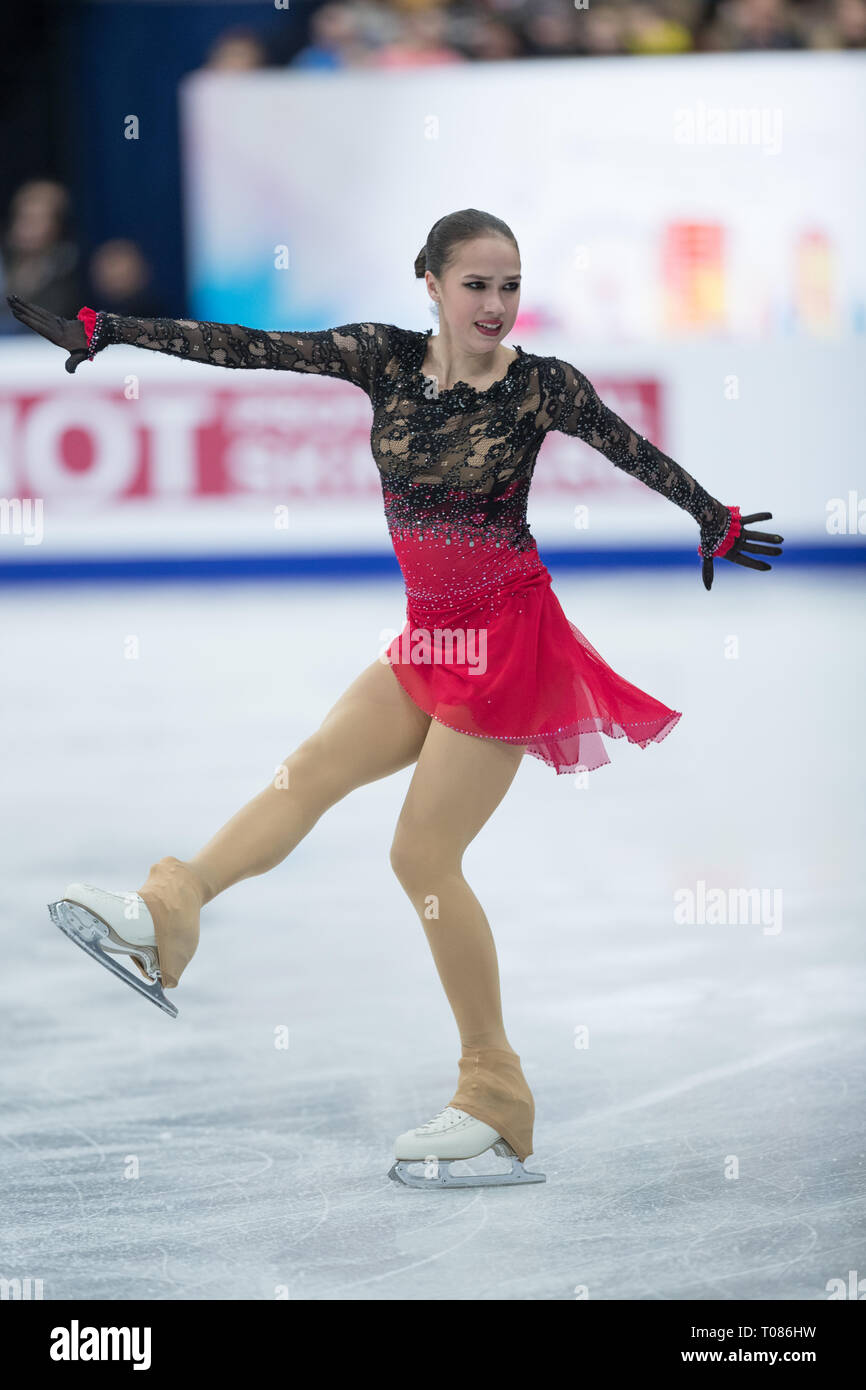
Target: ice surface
{"type": "Point", "coordinates": [263, 1171]}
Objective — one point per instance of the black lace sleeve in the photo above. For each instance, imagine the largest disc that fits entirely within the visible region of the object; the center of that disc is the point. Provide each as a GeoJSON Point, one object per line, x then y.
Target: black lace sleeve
{"type": "Point", "coordinates": [575, 407]}
{"type": "Point", "coordinates": [353, 351]}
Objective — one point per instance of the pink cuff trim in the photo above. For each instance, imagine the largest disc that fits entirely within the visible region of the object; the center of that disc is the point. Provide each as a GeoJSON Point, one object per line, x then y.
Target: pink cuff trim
{"type": "Point", "coordinates": [735, 526]}
{"type": "Point", "coordinates": [88, 318]}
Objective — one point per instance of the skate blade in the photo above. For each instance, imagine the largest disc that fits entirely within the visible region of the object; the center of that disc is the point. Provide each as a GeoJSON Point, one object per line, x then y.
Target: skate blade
{"type": "Point", "coordinates": [89, 932]}
{"type": "Point", "coordinates": [516, 1176]}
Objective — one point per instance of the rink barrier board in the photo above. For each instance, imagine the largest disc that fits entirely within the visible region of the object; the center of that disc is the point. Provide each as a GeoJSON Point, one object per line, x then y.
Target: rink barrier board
{"type": "Point", "coordinates": [198, 568]}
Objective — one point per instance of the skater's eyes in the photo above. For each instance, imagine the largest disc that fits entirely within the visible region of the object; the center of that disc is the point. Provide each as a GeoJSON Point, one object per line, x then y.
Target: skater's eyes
{"type": "Point", "coordinates": [479, 285]}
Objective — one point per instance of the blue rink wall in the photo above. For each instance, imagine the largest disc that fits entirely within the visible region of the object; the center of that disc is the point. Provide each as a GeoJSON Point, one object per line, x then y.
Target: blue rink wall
{"type": "Point", "coordinates": [348, 566]}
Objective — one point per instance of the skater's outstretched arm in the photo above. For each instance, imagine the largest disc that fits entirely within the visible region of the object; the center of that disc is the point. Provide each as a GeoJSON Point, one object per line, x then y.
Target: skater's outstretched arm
{"type": "Point", "coordinates": [575, 408]}
{"type": "Point", "coordinates": [350, 352]}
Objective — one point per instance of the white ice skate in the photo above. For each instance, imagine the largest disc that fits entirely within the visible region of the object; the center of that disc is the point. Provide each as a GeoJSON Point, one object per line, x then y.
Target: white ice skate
{"type": "Point", "coordinates": [106, 925]}
{"type": "Point", "coordinates": [450, 1137]}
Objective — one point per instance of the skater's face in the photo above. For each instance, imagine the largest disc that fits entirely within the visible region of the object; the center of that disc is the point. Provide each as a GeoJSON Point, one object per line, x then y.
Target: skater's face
{"type": "Point", "coordinates": [480, 286]}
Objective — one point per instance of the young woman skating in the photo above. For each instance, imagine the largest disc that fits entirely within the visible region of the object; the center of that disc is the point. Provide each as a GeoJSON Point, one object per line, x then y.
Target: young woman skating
{"type": "Point", "coordinates": [487, 668]}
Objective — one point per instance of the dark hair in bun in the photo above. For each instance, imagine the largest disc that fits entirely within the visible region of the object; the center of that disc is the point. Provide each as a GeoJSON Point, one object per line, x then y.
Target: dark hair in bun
{"type": "Point", "coordinates": [450, 230]}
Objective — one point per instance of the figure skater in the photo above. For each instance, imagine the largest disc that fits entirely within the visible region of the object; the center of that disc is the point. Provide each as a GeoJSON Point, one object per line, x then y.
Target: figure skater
{"type": "Point", "coordinates": [487, 667]}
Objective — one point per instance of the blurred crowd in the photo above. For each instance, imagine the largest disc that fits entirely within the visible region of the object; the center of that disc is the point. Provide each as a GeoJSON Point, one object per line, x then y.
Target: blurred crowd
{"type": "Point", "coordinates": [369, 33]}
{"type": "Point", "coordinates": [40, 259]}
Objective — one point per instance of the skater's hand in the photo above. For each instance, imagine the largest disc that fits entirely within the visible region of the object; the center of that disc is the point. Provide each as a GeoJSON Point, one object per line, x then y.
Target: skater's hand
{"type": "Point", "coordinates": [66, 333]}
{"type": "Point", "coordinates": [744, 547]}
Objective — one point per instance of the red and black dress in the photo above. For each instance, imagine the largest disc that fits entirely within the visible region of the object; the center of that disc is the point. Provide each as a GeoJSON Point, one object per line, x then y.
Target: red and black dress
{"type": "Point", "coordinates": [486, 648]}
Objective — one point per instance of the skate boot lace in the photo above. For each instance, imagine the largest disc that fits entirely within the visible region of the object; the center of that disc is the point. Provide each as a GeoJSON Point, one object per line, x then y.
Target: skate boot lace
{"type": "Point", "coordinates": [434, 1123]}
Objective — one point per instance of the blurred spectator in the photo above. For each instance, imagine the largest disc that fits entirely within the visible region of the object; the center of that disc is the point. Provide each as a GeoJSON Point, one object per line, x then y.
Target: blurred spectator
{"type": "Point", "coordinates": [237, 50]}
{"type": "Point", "coordinates": [556, 29]}
{"type": "Point", "coordinates": [341, 38]}
{"type": "Point", "coordinates": [422, 41]}
{"type": "Point", "coordinates": [689, 13]}
{"type": "Point", "coordinates": [849, 22]}
{"type": "Point", "coordinates": [601, 32]}
{"type": "Point", "coordinates": [491, 39]}
{"type": "Point", "coordinates": [120, 281]}
{"type": "Point", "coordinates": [745, 25]}
{"type": "Point", "coordinates": [649, 30]}
{"type": "Point", "coordinates": [40, 262]}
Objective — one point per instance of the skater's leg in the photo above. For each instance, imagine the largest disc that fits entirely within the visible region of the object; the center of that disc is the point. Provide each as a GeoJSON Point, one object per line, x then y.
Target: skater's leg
{"type": "Point", "coordinates": [458, 782]}
{"type": "Point", "coordinates": [374, 729]}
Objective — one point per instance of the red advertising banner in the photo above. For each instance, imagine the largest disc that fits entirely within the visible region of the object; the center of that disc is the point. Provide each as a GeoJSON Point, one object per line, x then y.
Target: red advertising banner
{"type": "Point", "coordinates": [305, 441]}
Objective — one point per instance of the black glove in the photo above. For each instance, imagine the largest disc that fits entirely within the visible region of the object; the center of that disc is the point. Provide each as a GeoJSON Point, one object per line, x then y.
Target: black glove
{"type": "Point", "coordinates": [743, 548]}
{"type": "Point", "coordinates": [66, 333]}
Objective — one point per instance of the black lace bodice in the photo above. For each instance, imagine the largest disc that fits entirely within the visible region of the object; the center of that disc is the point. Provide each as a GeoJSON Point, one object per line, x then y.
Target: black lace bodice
{"type": "Point", "coordinates": [461, 455]}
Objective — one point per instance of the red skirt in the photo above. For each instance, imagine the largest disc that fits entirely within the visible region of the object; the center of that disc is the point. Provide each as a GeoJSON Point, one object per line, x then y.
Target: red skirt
{"type": "Point", "coordinates": [511, 666]}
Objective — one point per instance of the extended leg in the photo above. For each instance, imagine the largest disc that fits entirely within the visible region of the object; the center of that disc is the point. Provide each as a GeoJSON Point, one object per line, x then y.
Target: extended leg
{"type": "Point", "coordinates": [373, 730]}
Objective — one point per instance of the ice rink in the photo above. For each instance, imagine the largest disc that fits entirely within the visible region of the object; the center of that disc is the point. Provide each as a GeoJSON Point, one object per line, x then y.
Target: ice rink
{"type": "Point", "coordinates": [700, 1086]}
